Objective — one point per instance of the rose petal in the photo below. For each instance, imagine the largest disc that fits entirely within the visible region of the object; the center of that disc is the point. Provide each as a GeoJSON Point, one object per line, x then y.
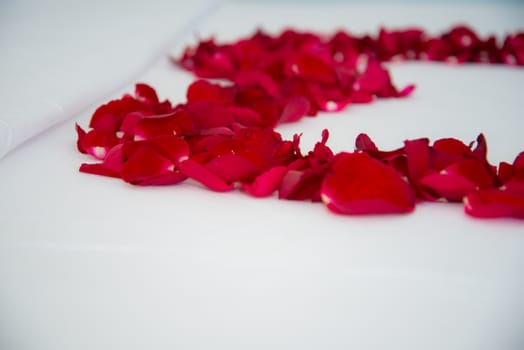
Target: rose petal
{"type": "Point", "coordinates": [494, 203]}
{"type": "Point", "coordinates": [295, 108]}
{"type": "Point", "coordinates": [232, 167]}
{"type": "Point", "coordinates": [451, 186]}
{"type": "Point", "coordinates": [143, 162]}
{"type": "Point", "coordinates": [200, 173]}
{"type": "Point", "coordinates": [266, 183]}
{"type": "Point", "coordinates": [301, 185]}
{"type": "Point", "coordinates": [359, 184]}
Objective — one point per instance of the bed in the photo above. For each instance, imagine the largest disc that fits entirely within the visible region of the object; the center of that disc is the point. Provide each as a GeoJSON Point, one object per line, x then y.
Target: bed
{"type": "Point", "coordinates": [90, 262]}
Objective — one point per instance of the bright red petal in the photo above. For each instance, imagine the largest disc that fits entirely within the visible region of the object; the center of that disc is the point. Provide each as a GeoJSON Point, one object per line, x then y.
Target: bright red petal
{"type": "Point", "coordinates": [494, 203]}
{"type": "Point", "coordinates": [198, 172]}
{"type": "Point", "coordinates": [359, 184]}
{"type": "Point", "coordinates": [266, 183]}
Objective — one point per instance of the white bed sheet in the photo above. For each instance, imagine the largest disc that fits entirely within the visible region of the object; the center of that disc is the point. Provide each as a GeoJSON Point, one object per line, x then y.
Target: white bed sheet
{"type": "Point", "coordinates": [89, 262]}
{"type": "Point", "coordinates": [59, 56]}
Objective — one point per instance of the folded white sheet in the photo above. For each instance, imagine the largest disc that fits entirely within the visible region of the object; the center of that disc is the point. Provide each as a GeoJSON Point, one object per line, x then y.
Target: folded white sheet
{"type": "Point", "coordinates": [60, 56]}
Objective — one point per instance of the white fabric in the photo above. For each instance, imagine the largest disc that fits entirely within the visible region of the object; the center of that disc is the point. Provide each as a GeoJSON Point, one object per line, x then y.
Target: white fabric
{"type": "Point", "coordinates": [60, 56]}
{"type": "Point", "coordinates": [90, 262]}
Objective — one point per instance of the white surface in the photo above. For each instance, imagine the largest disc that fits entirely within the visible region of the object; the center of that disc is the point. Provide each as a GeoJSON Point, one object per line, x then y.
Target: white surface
{"type": "Point", "coordinates": [89, 262]}
{"type": "Point", "coordinates": [60, 56]}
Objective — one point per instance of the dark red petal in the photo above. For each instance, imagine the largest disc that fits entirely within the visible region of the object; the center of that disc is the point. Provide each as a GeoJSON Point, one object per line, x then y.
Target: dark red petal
{"type": "Point", "coordinates": [200, 173]}
{"type": "Point", "coordinates": [364, 143]}
{"type": "Point", "coordinates": [146, 93]}
{"type": "Point", "coordinates": [418, 160]}
{"type": "Point", "coordinates": [171, 148]}
{"type": "Point", "coordinates": [505, 172]}
{"type": "Point", "coordinates": [266, 183]}
{"type": "Point", "coordinates": [301, 185]}
{"type": "Point", "coordinates": [481, 150]}
{"type": "Point", "coordinates": [518, 164]}
{"type": "Point", "coordinates": [359, 184]}
{"type": "Point", "coordinates": [494, 203]}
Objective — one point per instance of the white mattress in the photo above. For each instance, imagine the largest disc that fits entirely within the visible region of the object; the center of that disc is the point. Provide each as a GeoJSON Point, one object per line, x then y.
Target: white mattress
{"type": "Point", "coordinates": [89, 262]}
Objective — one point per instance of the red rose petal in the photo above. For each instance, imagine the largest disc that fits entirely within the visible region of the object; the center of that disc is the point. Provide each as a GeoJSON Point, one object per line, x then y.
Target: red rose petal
{"type": "Point", "coordinates": [232, 167]}
{"type": "Point", "coordinates": [200, 173]}
{"type": "Point", "coordinates": [80, 138]}
{"type": "Point", "coordinates": [301, 185]}
{"type": "Point", "coordinates": [266, 183]}
{"type": "Point", "coordinates": [98, 169]}
{"type": "Point", "coordinates": [295, 108]}
{"type": "Point", "coordinates": [176, 123]}
{"type": "Point", "coordinates": [146, 93]}
{"type": "Point", "coordinates": [359, 184]}
{"type": "Point", "coordinates": [312, 68]}
{"type": "Point", "coordinates": [143, 163]}
{"type": "Point", "coordinates": [170, 178]}
{"type": "Point", "coordinates": [98, 143]}
{"type": "Point", "coordinates": [494, 203]}
{"type": "Point", "coordinates": [257, 78]}
{"type": "Point", "coordinates": [224, 133]}
{"type": "Point", "coordinates": [204, 90]}
{"type": "Point", "coordinates": [209, 114]}
{"type": "Point", "coordinates": [450, 186]}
